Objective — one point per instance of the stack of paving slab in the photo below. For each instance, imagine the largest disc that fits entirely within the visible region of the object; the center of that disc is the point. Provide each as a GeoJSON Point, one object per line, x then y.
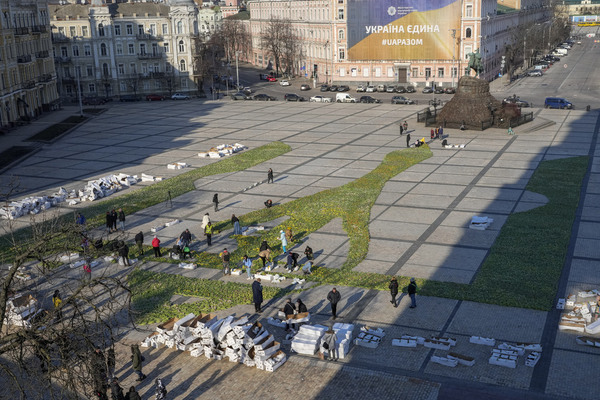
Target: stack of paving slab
{"type": "Point", "coordinates": [507, 355]}
{"type": "Point", "coordinates": [308, 338]}
{"type": "Point", "coordinates": [579, 318]}
{"type": "Point", "coordinates": [20, 309]}
{"type": "Point", "coordinates": [480, 223]}
{"type": "Point", "coordinates": [439, 343]}
{"type": "Point", "coordinates": [368, 337]}
{"type": "Point", "coordinates": [177, 165]}
{"type": "Point", "coordinates": [236, 339]}
{"type": "Point", "coordinates": [157, 228]}
{"type": "Point", "coordinates": [344, 334]}
{"type": "Point", "coordinates": [223, 150]}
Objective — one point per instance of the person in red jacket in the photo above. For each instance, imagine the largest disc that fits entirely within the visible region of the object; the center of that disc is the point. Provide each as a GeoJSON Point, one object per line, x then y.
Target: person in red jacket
{"type": "Point", "coordinates": [156, 246]}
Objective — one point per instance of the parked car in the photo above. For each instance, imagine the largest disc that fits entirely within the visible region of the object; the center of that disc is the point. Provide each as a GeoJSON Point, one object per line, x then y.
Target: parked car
{"type": "Point", "coordinates": [155, 97]}
{"type": "Point", "coordinates": [450, 90]}
{"type": "Point", "coordinates": [344, 98]}
{"type": "Point", "coordinates": [361, 88]}
{"type": "Point", "coordinates": [557, 102]}
{"type": "Point", "coordinates": [240, 96]}
{"type": "Point", "coordinates": [305, 86]}
{"type": "Point", "coordinates": [410, 89]}
{"type": "Point", "coordinates": [400, 89]}
{"type": "Point", "coordinates": [285, 82]}
{"type": "Point", "coordinates": [324, 88]}
{"type": "Point", "coordinates": [391, 89]}
{"type": "Point", "coordinates": [93, 101]}
{"type": "Point", "coordinates": [535, 72]}
{"type": "Point", "coordinates": [369, 99]}
{"type": "Point", "coordinates": [343, 88]}
{"type": "Point", "coordinates": [381, 88]}
{"type": "Point", "coordinates": [439, 90]}
{"type": "Point", "coordinates": [402, 100]}
{"type": "Point", "coordinates": [370, 89]}
{"type": "Point", "coordinates": [427, 89]}
{"type": "Point", "coordinates": [264, 77]}
{"type": "Point", "coordinates": [320, 99]}
{"type": "Point", "coordinates": [264, 97]}
{"type": "Point", "coordinates": [271, 79]}
{"type": "Point", "coordinates": [129, 97]}
{"type": "Point", "coordinates": [180, 96]}
{"type": "Point", "coordinates": [333, 88]}
{"type": "Point", "coordinates": [293, 97]}
{"type": "Point", "coordinates": [516, 100]}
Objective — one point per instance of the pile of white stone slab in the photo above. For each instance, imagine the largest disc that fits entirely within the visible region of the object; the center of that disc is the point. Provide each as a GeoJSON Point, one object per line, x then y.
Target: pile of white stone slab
{"type": "Point", "coordinates": [21, 309]}
{"type": "Point", "coordinates": [507, 355]}
{"type": "Point", "coordinates": [157, 228]}
{"type": "Point", "coordinates": [151, 178]}
{"type": "Point", "coordinates": [249, 230]}
{"type": "Point", "coordinates": [344, 335]}
{"type": "Point", "coordinates": [223, 150]}
{"type": "Point", "coordinates": [369, 337]}
{"type": "Point", "coordinates": [177, 165]}
{"type": "Point", "coordinates": [216, 338]}
{"type": "Point", "coordinates": [271, 278]}
{"type": "Point", "coordinates": [308, 339]}
{"type": "Point", "coordinates": [480, 223]}
{"type": "Point", "coordinates": [579, 318]}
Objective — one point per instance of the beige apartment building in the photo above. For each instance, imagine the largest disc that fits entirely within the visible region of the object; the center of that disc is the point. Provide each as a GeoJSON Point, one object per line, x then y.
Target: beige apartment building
{"type": "Point", "coordinates": [125, 49]}
{"type": "Point", "coordinates": [360, 41]}
{"type": "Point", "coordinates": [27, 77]}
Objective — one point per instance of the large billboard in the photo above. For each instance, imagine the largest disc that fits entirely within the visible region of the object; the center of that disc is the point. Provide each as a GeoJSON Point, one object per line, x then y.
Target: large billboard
{"type": "Point", "coordinates": [402, 29]}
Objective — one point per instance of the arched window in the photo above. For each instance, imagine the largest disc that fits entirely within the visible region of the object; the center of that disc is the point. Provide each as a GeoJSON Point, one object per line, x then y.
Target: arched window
{"type": "Point", "coordinates": [182, 65]}
{"type": "Point", "coordinates": [105, 69]}
{"type": "Point", "coordinates": [179, 27]}
{"type": "Point", "coordinates": [101, 30]}
{"type": "Point", "coordinates": [468, 33]}
{"type": "Point", "coordinates": [181, 47]}
{"type": "Point", "coordinates": [341, 34]}
{"type": "Point", "coordinates": [102, 49]}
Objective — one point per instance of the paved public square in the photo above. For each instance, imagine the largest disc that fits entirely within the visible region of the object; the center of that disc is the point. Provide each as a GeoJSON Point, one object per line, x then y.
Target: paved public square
{"type": "Point", "coordinates": [419, 227]}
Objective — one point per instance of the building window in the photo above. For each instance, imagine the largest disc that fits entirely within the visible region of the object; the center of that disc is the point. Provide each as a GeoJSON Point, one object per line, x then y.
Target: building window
{"type": "Point", "coordinates": [142, 48]}
{"type": "Point", "coordinates": [467, 71]}
{"type": "Point", "coordinates": [84, 31]}
{"type": "Point", "coordinates": [390, 72]}
{"type": "Point", "coordinates": [342, 54]}
{"type": "Point", "coordinates": [121, 69]}
{"type": "Point", "coordinates": [117, 30]}
{"type": "Point", "coordinates": [179, 27]}
{"type": "Point", "coordinates": [468, 33]}
{"type": "Point", "coordinates": [182, 65]}
{"type": "Point", "coordinates": [184, 82]}
{"type": "Point", "coordinates": [415, 72]}
{"type": "Point", "coordinates": [129, 29]}
{"type": "Point", "coordinates": [72, 31]}
{"type": "Point", "coordinates": [340, 13]}
{"type": "Point", "coordinates": [341, 34]}
{"type": "Point", "coordinates": [427, 73]}
{"type": "Point", "coordinates": [468, 49]}
{"type": "Point", "coordinates": [141, 29]}
{"type": "Point", "coordinates": [75, 51]}
{"type": "Point", "coordinates": [92, 88]}
{"type": "Point", "coordinates": [154, 48]}
{"type": "Point", "coordinates": [165, 29]}
{"type": "Point", "coordinates": [103, 49]}
{"type": "Point", "coordinates": [168, 67]}
{"type": "Point", "coordinates": [153, 29]}
{"type": "Point", "coordinates": [377, 72]}
{"type": "Point", "coordinates": [64, 52]}
{"type": "Point", "coordinates": [454, 72]}
{"type": "Point", "coordinates": [469, 10]}
{"type": "Point", "coordinates": [87, 50]}
{"type": "Point", "coordinates": [89, 70]}
{"type": "Point", "coordinates": [145, 69]}
{"type": "Point", "coordinates": [166, 46]}
{"type": "Point", "coordinates": [342, 71]}
{"type": "Point", "coordinates": [181, 46]}
{"type": "Point", "coordinates": [69, 89]}
{"type": "Point", "coordinates": [119, 49]}
{"type": "Point", "coordinates": [105, 70]}
{"type": "Point", "coordinates": [123, 86]}
{"type": "Point", "coordinates": [130, 48]}
{"type": "Point", "coordinates": [100, 30]}
{"type": "Point", "coordinates": [365, 71]}
{"type": "Point", "coordinates": [132, 68]}
{"type": "Point", "coordinates": [440, 73]}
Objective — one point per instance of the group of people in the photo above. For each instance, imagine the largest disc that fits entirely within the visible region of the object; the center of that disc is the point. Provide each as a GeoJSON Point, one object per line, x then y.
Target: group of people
{"type": "Point", "coordinates": [411, 290]}
{"type": "Point", "coordinates": [111, 220]}
{"type": "Point", "coordinates": [437, 133]}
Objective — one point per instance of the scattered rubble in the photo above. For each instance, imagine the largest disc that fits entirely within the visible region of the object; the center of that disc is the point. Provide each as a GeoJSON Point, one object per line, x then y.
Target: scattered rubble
{"type": "Point", "coordinates": [222, 150]}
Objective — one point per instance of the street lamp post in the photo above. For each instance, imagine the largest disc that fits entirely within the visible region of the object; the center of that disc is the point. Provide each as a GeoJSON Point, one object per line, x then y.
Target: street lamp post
{"type": "Point", "coordinates": [237, 71]}
{"type": "Point", "coordinates": [78, 72]}
{"type": "Point", "coordinates": [326, 63]}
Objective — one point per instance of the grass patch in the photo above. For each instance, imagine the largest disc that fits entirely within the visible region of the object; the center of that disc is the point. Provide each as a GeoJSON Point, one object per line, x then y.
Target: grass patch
{"type": "Point", "coordinates": [152, 291]}
{"type": "Point", "coordinates": [54, 131]}
{"type": "Point", "coordinates": [13, 154]}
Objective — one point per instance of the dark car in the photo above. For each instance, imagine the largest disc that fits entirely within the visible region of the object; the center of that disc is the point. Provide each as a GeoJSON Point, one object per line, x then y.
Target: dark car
{"type": "Point", "coordinates": [264, 77]}
{"type": "Point", "coordinates": [427, 89]}
{"type": "Point", "coordinates": [305, 86]}
{"type": "Point", "coordinates": [400, 89]}
{"type": "Point", "coordinates": [129, 97]}
{"type": "Point", "coordinates": [516, 100]}
{"type": "Point", "coordinates": [410, 89]}
{"type": "Point", "coordinates": [293, 97]}
{"type": "Point", "coordinates": [343, 88]}
{"type": "Point", "coordinates": [401, 100]}
{"type": "Point", "coordinates": [439, 90]}
{"type": "Point", "coordinates": [155, 97]}
{"type": "Point", "coordinates": [93, 101]}
{"type": "Point", "coordinates": [324, 88]}
{"type": "Point", "coordinates": [240, 96]}
{"type": "Point", "coordinates": [264, 97]}
{"type": "Point", "coordinates": [450, 90]}
{"type": "Point", "coordinates": [333, 88]}
{"type": "Point", "coordinates": [369, 99]}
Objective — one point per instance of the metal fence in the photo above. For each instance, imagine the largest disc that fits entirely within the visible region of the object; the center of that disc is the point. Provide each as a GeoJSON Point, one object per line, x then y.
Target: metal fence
{"type": "Point", "coordinates": [429, 117]}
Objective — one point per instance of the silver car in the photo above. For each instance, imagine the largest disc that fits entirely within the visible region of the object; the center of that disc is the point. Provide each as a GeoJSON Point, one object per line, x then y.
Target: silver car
{"type": "Point", "coordinates": [320, 99]}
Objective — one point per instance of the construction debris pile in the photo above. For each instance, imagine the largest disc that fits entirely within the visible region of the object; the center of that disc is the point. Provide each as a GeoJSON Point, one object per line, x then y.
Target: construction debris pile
{"type": "Point", "coordinates": [223, 150]}
{"type": "Point", "coordinates": [21, 310]}
{"type": "Point", "coordinates": [216, 338]}
{"type": "Point", "coordinates": [94, 190]}
{"type": "Point", "coordinates": [579, 318]}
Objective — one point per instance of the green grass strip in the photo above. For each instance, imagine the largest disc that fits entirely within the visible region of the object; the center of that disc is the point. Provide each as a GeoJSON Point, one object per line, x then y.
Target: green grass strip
{"type": "Point", "coordinates": [152, 292]}
{"type": "Point", "coordinates": [54, 131]}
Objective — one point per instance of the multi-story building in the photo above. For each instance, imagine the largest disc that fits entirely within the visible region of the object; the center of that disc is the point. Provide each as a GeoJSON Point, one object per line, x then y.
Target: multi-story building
{"type": "Point", "coordinates": [210, 20]}
{"type": "Point", "coordinates": [125, 48]}
{"type": "Point", "coordinates": [426, 43]}
{"type": "Point", "coordinates": [27, 77]}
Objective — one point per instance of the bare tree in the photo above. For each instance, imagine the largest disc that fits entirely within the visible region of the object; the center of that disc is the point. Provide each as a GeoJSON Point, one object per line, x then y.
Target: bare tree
{"type": "Point", "coordinates": [291, 51]}
{"type": "Point", "coordinates": [47, 351]}
{"type": "Point", "coordinates": [133, 83]}
{"type": "Point", "coordinates": [234, 37]}
{"type": "Point", "coordinates": [273, 39]}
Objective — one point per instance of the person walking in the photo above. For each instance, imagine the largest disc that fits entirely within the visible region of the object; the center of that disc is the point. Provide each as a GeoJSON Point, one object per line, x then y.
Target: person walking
{"type": "Point", "coordinates": [270, 176]}
{"type": "Point", "coordinates": [116, 391]}
{"type": "Point", "coordinates": [247, 263]}
{"type": "Point", "coordinates": [405, 126]}
{"type": "Point", "coordinates": [401, 129]}
{"type": "Point", "coordinates": [225, 256]}
{"type": "Point", "coordinates": [113, 218]}
{"type": "Point", "coordinates": [124, 253]}
{"type": "Point", "coordinates": [87, 273]}
{"type": "Point", "coordinates": [265, 256]}
{"type": "Point", "coordinates": [186, 238]}
{"type": "Point", "coordinates": [257, 295]}
{"type": "Point", "coordinates": [283, 241]}
{"type": "Point", "coordinates": [208, 233]}
{"type": "Point", "coordinates": [57, 302]}
{"type": "Point", "coordinates": [237, 230]}
{"type": "Point", "coordinates": [510, 130]}
{"type": "Point", "coordinates": [334, 298]}
{"type": "Point", "coordinates": [122, 219]}
{"type": "Point", "coordinates": [139, 241]}
{"type": "Point", "coordinates": [205, 221]}
{"type": "Point", "coordinates": [412, 291]}
{"type": "Point", "coordinates": [136, 361]}
{"type": "Point", "coordinates": [289, 310]}
{"type": "Point", "coordinates": [216, 202]}
{"type": "Point", "coordinates": [408, 140]}
{"type": "Point", "coordinates": [132, 394]}
{"type": "Point", "coordinates": [156, 246]}
{"type": "Point", "coordinates": [328, 343]}
{"type": "Point", "coordinates": [393, 286]}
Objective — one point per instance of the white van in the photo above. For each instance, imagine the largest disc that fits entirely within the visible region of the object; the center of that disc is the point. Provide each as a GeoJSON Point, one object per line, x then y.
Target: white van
{"type": "Point", "coordinates": [344, 98]}
{"type": "Point", "coordinates": [561, 51]}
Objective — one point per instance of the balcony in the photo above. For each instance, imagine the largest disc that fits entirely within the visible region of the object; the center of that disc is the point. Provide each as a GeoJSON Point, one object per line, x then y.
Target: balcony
{"type": "Point", "coordinates": [45, 78]}
{"type": "Point", "coordinates": [28, 84]}
{"type": "Point", "coordinates": [147, 36]}
{"type": "Point", "coordinates": [68, 80]}
{"type": "Point", "coordinates": [42, 54]}
{"type": "Point", "coordinates": [60, 38]}
{"type": "Point", "coordinates": [23, 30]}
{"type": "Point", "coordinates": [146, 56]}
{"type": "Point", "coordinates": [62, 59]}
{"type": "Point", "coordinates": [24, 59]}
{"type": "Point", "coordinates": [157, 75]}
{"type": "Point", "coordinates": [37, 29]}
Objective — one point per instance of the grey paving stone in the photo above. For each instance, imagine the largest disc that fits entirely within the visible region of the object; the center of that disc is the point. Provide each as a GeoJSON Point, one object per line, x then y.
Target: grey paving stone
{"type": "Point", "coordinates": [494, 193]}
{"type": "Point", "coordinates": [510, 183]}
{"type": "Point", "coordinates": [571, 376]}
{"type": "Point", "coordinates": [587, 248]}
{"type": "Point", "coordinates": [463, 237]}
{"type": "Point", "coordinates": [426, 201]}
{"type": "Point", "coordinates": [437, 189]}
{"type": "Point", "coordinates": [435, 255]}
{"type": "Point", "coordinates": [482, 206]}
{"type": "Point", "coordinates": [584, 271]}
{"type": "Point", "coordinates": [396, 230]}
{"type": "Point", "coordinates": [375, 266]}
{"type": "Point", "coordinates": [386, 250]}
{"type": "Point", "coordinates": [442, 273]}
